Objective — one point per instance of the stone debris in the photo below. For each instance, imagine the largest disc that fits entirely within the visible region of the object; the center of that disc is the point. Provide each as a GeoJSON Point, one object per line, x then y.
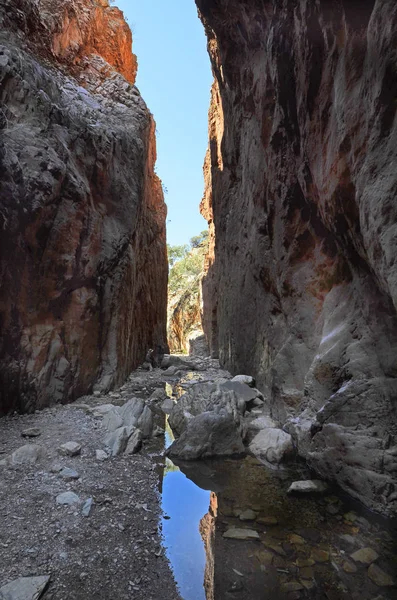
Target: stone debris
{"type": "Point", "coordinates": [25, 588]}
{"type": "Point", "coordinates": [70, 449]}
{"type": "Point", "coordinates": [310, 486]}
{"type": "Point", "coordinates": [87, 507]}
{"type": "Point", "coordinates": [69, 474]}
{"type": "Point", "coordinates": [235, 533]}
{"type": "Point", "coordinates": [32, 432]}
{"type": "Point", "coordinates": [67, 498]}
{"type": "Point", "coordinates": [101, 455]}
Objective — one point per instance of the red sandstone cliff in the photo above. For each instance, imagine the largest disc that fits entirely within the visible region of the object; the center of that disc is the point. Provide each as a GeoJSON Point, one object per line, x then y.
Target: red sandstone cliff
{"type": "Point", "coordinates": [83, 269]}
{"type": "Point", "coordinates": [301, 177]}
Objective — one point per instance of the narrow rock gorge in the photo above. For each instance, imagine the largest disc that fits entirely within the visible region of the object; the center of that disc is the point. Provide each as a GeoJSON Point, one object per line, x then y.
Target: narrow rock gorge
{"type": "Point", "coordinates": [301, 288]}
{"type": "Point", "coordinates": [83, 266]}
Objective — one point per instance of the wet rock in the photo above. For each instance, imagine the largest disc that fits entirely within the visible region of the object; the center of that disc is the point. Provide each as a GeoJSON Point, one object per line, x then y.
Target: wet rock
{"type": "Point", "coordinates": [379, 577]}
{"type": "Point", "coordinates": [267, 520]}
{"type": "Point", "coordinates": [313, 535]}
{"type": "Point", "coordinates": [67, 498]}
{"type": "Point", "coordinates": [296, 539]}
{"type": "Point", "coordinates": [310, 486]}
{"type": "Point", "coordinates": [32, 432]}
{"type": "Point", "coordinates": [134, 443]}
{"type": "Point", "coordinates": [303, 562]}
{"type": "Point", "coordinates": [306, 573]}
{"type": "Point", "coordinates": [347, 541]}
{"type": "Point", "coordinates": [319, 555]}
{"type": "Point", "coordinates": [26, 455]}
{"type": "Point", "coordinates": [247, 379]}
{"type": "Point", "coordinates": [247, 515]}
{"type": "Point", "coordinates": [265, 557]}
{"type": "Point", "coordinates": [235, 533]}
{"type": "Point", "coordinates": [69, 474]}
{"type": "Point", "coordinates": [291, 586]}
{"type": "Point", "coordinates": [349, 567]}
{"type": "Point", "coordinates": [87, 507]}
{"type": "Point", "coordinates": [365, 556]}
{"type": "Point", "coordinates": [273, 445]}
{"type": "Point", "coordinates": [70, 449]}
{"type": "Point", "coordinates": [25, 588]}
{"type": "Point", "coordinates": [332, 509]}
{"type": "Point", "coordinates": [208, 434]}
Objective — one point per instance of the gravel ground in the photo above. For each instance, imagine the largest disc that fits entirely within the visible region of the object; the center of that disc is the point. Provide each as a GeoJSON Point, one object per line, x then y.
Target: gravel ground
{"type": "Point", "coordinates": [116, 552]}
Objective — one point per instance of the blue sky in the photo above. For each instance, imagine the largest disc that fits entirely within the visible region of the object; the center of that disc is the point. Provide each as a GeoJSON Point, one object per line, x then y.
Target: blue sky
{"type": "Point", "coordinates": [174, 78]}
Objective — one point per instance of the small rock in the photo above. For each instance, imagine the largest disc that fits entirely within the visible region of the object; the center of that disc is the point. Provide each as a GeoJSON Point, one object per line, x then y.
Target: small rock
{"type": "Point", "coordinates": [167, 406]}
{"type": "Point", "coordinates": [349, 567]}
{"type": "Point", "coordinates": [309, 486]}
{"type": "Point", "coordinates": [267, 520]}
{"type": "Point", "coordinates": [25, 588]}
{"type": "Point", "coordinates": [291, 586]}
{"type": "Point", "coordinates": [319, 555]}
{"type": "Point", "coordinates": [56, 468]}
{"type": "Point", "coordinates": [296, 539]}
{"type": "Point", "coordinates": [365, 556]}
{"type": "Point", "coordinates": [350, 516]}
{"type": "Point", "coordinates": [70, 449]}
{"type": "Point", "coordinates": [302, 562]}
{"type": "Point", "coordinates": [378, 576]}
{"type": "Point", "coordinates": [32, 432]}
{"type": "Point", "coordinates": [235, 533]}
{"type": "Point", "coordinates": [306, 573]}
{"type": "Point", "coordinates": [247, 515]}
{"type": "Point", "coordinates": [67, 498]}
{"type": "Point", "coordinates": [86, 510]}
{"type": "Point", "coordinates": [69, 474]}
{"type": "Point", "coordinates": [332, 509]}
{"type": "Point", "coordinates": [101, 455]}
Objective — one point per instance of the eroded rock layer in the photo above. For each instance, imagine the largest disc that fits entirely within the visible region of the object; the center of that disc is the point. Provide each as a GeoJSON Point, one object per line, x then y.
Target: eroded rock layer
{"type": "Point", "coordinates": [83, 269]}
{"type": "Point", "coordinates": [301, 187]}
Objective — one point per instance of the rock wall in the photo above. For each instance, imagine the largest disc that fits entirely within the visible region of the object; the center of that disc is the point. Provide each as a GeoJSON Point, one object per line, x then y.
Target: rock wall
{"type": "Point", "coordinates": [301, 183]}
{"type": "Point", "coordinates": [83, 266]}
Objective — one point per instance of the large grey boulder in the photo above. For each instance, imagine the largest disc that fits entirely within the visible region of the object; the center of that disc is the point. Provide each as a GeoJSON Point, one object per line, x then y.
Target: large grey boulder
{"type": "Point", "coordinates": [228, 396]}
{"type": "Point", "coordinates": [25, 588]}
{"type": "Point", "coordinates": [209, 434]}
{"type": "Point", "coordinates": [272, 445]}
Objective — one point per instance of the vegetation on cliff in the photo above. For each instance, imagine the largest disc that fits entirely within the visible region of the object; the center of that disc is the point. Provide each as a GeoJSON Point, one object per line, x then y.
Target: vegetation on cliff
{"type": "Point", "coordinates": [186, 264]}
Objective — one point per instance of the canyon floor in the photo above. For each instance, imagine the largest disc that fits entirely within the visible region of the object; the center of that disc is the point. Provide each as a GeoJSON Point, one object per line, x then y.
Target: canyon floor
{"type": "Point", "coordinates": [305, 546]}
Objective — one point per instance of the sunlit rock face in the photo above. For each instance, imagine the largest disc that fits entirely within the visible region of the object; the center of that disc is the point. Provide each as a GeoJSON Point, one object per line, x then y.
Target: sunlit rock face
{"type": "Point", "coordinates": [83, 269]}
{"type": "Point", "coordinates": [301, 184]}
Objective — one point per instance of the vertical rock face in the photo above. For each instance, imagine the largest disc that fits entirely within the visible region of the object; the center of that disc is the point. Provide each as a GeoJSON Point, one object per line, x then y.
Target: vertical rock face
{"type": "Point", "coordinates": [301, 188]}
{"type": "Point", "coordinates": [83, 270]}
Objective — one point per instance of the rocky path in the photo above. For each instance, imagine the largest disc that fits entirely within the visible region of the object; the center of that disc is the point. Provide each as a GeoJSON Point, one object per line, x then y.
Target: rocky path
{"type": "Point", "coordinates": [89, 522]}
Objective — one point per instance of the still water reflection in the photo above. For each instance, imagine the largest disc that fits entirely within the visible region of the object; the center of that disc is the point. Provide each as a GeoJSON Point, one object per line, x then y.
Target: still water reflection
{"type": "Point", "coordinates": [184, 504]}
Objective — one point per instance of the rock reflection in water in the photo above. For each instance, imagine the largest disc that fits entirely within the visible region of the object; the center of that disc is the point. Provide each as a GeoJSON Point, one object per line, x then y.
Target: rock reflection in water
{"type": "Point", "coordinates": [304, 544]}
{"type": "Point", "coordinates": [184, 505]}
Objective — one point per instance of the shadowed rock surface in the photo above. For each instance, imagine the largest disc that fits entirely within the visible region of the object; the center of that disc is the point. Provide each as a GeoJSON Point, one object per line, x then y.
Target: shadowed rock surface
{"type": "Point", "coordinates": [301, 288]}
{"type": "Point", "coordinates": [83, 269]}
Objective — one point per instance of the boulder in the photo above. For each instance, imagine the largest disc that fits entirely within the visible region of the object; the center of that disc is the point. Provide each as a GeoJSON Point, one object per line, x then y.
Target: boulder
{"type": "Point", "coordinates": [116, 441]}
{"type": "Point", "coordinates": [112, 420]}
{"type": "Point", "coordinates": [247, 379]}
{"type": "Point", "coordinates": [206, 435]}
{"type": "Point", "coordinates": [26, 455]}
{"type": "Point", "coordinates": [134, 443]}
{"type": "Point", "coordinates": [145, 423]}
{"type": "Point", "coordinates": [272, 445]}
{"type": "Point", "coordinates": [262, 423]}
{"type": "Point", "coordinates": [25, 588]}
